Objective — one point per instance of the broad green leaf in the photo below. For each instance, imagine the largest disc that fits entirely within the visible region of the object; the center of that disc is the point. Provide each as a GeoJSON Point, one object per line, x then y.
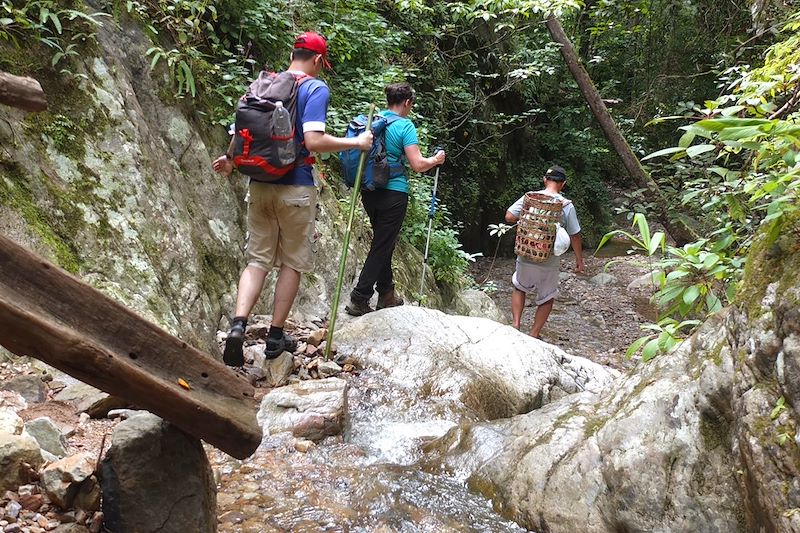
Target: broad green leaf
{"type": "Point", "coordinates": [719, 124]}
{"type": "Point", "coordinates": [56, 22]}
{"type": "Point", "coordinates": [698, 149]}
{"type": "Point", "coordinates": [689, 196]}
{"type": "Point", "coordinates": [633, 348]}
{"type": "Point", "coordinates": [713, 304]}
{"type": "Point", "coordinates": [732, 110]}
{"type": "Point", "coordinates": [655, 242]}
{"type": "Point", "coordinates": [744, 132]}
{"type": "Point", "coordinates": [710, 260]}
{"type": "Point", "coordinates": [686, 139]}
{"type": "Point", "coordinates": [644, 228]}
{"type": "Point", "coordinates": [650, 350]}
{"type": "Point", "coordinates": [665, 151]}
{"type": "Point", "coordinates": [691, 294]}
{"type": "Point", "coordinates": [677, 274]}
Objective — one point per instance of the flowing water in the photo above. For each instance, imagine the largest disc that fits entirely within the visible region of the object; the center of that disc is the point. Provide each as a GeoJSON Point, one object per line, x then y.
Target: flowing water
{"type": "Point", "coordinates": [373, 479]}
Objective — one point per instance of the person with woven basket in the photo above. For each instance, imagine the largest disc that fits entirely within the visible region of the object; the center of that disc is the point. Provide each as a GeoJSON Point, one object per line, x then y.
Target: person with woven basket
{"type": "Point", "coordinates": [538, 215]}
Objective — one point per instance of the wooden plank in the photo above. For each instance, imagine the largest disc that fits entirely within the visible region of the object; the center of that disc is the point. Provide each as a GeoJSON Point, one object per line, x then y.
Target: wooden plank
{"type": "Point", "coordinates": [24, 93]}
{"type": "Point", "coordinates": [48, 314]}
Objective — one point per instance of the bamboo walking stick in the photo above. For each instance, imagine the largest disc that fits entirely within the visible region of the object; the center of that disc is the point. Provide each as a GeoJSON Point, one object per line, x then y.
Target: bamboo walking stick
{"type": "Point", "coordinates": [343, 256]}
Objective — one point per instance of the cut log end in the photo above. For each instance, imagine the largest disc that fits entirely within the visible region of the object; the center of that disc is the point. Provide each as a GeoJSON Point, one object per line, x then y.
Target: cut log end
{"type": "Point", "coordinates": [22, 93]}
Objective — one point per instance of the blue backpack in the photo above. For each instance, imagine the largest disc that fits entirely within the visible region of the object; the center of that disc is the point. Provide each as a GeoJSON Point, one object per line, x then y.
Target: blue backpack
{"type": "Point", "coordinates": [377, 170]}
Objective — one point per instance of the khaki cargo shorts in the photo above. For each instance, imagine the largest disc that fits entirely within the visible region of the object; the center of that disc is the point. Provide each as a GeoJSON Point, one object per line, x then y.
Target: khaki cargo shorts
{"type": "Point", "coordinates": [530, 277]}
{"type": "Point", "coordinates": [280, 226]}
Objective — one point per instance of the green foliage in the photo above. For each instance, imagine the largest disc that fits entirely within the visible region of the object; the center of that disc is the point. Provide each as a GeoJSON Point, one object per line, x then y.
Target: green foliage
{"type": "Point", "coordinates": [448, 261]}
{"type": "Point", "coordinates": [780, 405]}
{"type": "Point", "coordinates": [63, 31]}
{"type": "Point", "coordinates": [693, 281]}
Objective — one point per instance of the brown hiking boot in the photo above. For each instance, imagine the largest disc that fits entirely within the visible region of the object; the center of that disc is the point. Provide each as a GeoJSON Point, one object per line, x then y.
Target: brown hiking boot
{"type": "Point", "coordinates": [358, 307]}
{"type": "Point", "coordinates": [390, 299]}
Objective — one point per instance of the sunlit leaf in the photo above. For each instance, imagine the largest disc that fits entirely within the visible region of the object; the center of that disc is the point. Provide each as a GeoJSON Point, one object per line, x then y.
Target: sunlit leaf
{"type": "Point", "coordinates": [698, 149]}
{"type": "Point", "coordinates": [665, 151]}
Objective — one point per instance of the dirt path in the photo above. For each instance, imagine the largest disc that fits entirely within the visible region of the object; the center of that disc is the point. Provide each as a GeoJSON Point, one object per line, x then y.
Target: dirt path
{"type": "Point", "coordinates": [595, 321]}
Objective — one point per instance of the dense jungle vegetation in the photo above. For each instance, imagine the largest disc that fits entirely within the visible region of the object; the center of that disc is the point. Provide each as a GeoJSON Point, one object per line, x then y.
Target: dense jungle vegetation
{"type": "Point", "coordinates": [706, 92]}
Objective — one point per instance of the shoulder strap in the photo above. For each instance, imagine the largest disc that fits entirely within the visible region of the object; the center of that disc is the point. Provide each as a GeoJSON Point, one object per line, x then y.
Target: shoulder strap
{"type": "Point", "coordinates": [391, 118]}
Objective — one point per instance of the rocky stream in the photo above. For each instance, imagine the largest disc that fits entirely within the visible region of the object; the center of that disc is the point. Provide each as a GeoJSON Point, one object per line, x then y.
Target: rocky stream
{"type": "Point", "coordinates": [374, 474]}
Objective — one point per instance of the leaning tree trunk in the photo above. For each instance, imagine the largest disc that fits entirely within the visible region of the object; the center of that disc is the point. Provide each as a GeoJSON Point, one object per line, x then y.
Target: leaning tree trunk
{"type": "Point", "coordinates": [24, 93]}
{"type": "Point", "coordinates": [679, 231]}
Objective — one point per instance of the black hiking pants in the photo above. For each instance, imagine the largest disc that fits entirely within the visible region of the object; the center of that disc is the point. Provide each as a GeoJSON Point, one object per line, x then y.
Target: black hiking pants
{"type": "Point", "coordinates": [386, 210]}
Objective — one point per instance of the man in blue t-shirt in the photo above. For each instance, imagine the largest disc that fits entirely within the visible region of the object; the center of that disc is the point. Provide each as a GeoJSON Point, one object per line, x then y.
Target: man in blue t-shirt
{"type": "Point", "coordinates": [281, 213]}
{"type": "Point", "coordinates": [386, 207]}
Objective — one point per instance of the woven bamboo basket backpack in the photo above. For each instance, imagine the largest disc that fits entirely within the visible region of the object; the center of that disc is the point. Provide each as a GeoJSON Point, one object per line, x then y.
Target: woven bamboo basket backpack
{"type": "Point", "coordinates": [536, 229]}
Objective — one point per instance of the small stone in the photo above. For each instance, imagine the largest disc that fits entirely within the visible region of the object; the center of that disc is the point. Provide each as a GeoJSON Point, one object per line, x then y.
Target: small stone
{"type": "Point", "coordinates": [311, 349]}
{"type": "Point", "coordinates": [348, 368]}
{"type": "Point", "coordinates": [122, 414]}
{"type": "Point", "coordinates": [316, 337]}
{"type": "Point", "coordinates": [303, 445]}
{"type": "Point", "coordinates": [602, 278]}
{"type": "Point", "coordinates": [96, 523]}
{"type": "Point", "coordinates": [328, 369]}
{"type": "Point", "coordinates": [12, 509]}
{"type": "Point", "coordinates": [323, 347]}
{"type": "Point", "coordinates": [12, 528]}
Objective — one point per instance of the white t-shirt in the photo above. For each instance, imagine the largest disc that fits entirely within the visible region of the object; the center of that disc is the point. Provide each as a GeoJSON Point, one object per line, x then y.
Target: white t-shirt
{"type": "Point", "coordinates": [569, 220]}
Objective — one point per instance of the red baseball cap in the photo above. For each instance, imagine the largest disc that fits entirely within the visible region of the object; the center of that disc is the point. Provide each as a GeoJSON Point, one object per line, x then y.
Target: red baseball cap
{"type": "Point", "coordinates": [314, 42]}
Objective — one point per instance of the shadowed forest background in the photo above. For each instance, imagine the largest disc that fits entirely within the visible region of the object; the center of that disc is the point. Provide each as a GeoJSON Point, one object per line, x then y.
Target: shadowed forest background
{"type": "Point", "coordinates": [494, 91]}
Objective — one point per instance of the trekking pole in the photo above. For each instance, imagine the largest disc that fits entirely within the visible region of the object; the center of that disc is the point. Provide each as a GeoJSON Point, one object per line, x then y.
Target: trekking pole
{"type": "Point", "coordinates": [431, 213]}
{"type": "Point", "coordinates": [343, 257]}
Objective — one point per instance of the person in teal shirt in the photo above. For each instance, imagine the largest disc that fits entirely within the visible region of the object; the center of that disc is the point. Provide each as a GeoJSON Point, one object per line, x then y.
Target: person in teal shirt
{"type": "Point", "coordinates": [386, 207]}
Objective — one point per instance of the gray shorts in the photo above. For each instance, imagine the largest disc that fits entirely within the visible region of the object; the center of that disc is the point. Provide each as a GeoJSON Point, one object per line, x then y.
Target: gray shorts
{"type": "Point", "coordinates": [531, 277]}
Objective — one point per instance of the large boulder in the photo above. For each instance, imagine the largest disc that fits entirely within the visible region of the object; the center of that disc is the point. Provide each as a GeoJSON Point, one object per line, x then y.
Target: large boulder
{"type": "Point", "coordinates": [645, 455]}
{"type": "Point", "coordinates": [90, 400]}
{"type": "Point", "coordinates": [49, 437]}
{"type": "Point", "coordinates": [20, 458]}
{"type": "Point", "coordinates": [703, 439]}
{"type": "Point", "coordinates": [493, 369]}
{"type": "Point", "coordinates": [157, 478]}
{"type": "Point", "coordinates": [30, 387]}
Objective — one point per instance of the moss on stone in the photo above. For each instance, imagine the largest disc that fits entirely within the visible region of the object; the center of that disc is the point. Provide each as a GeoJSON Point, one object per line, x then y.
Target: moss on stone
{"type": "Point", "coordinates": [593, 425]}
{"type": "Point", "coordinates": [715, 432]}
{"type": "Point", "coordinates": [774, 257]}
{"type": "Point", "coordinates": [16, 193]}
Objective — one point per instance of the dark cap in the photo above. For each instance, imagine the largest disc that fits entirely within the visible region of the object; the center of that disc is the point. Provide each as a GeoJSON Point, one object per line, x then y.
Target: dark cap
{"type": "Point", "coordinates": [556, 173]}
{"type": "Point", "coordinates": [315, 42]}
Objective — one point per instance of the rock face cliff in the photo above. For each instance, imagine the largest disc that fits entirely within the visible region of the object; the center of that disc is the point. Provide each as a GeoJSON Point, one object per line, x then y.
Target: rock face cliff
{"type": "Point", "coordinates": [704, 439]}
{"type": "Point", "coordinates": [114, 184]}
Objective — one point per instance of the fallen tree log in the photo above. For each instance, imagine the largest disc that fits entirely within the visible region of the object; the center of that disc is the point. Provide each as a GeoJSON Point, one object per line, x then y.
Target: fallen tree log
{"type": "Point", "coordinates": [48, 314]}
{"type": "Point", "coordinates": [24, 93]}
{"type": "Point", "coordinates": [677, 228]}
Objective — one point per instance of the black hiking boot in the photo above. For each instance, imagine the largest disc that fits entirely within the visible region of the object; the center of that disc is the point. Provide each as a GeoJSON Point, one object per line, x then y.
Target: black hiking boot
{"type": "Point", "coordinates": [390, 299]}
{"type": "Point", "coordinates": [358, 307]}
{"type": "Point", "coordinates": [275, 347]}
{"type": "Point", "coordinates": [233, 355]}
